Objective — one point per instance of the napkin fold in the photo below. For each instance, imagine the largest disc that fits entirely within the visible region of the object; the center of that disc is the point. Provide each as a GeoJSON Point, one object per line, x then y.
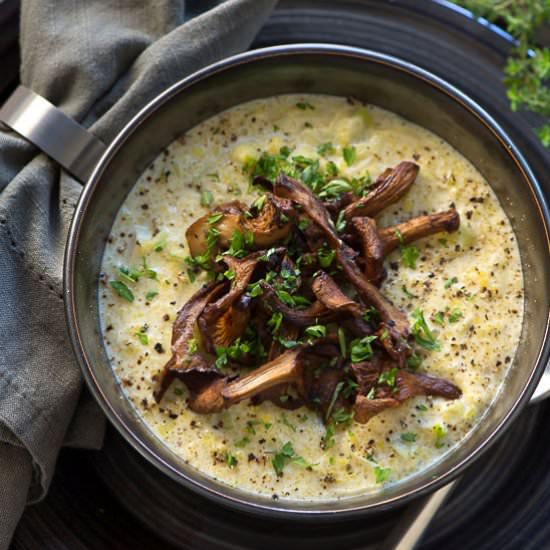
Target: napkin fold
{"type": "Point", "coordinates": [100, 62]}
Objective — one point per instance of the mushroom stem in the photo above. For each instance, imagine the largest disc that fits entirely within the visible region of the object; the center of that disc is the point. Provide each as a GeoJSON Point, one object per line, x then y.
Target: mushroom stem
{"type": "Point", "coordinates": [378, 243]}
{"type": "Point", "coordinates": [422, 226]}
{"type": "Point", "coordinates": [283, 369]}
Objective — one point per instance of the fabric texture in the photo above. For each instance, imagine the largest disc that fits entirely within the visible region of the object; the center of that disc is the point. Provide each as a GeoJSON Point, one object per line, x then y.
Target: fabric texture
{"type": "Point", "coordinates": [100, 62]}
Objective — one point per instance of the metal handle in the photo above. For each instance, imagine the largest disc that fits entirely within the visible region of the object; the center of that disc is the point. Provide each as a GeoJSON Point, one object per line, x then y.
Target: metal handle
{"type": "Point", "coordinates": [416, 519]}
{"type": "Point", "coordinates": [53, 132]}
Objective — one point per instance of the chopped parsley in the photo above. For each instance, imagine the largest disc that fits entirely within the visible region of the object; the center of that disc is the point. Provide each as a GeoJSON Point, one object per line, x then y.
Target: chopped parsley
{"type": "Point", "coordinates": [450, 282]}
{"type": "Point", "coordinates": [388, 377]}
{"type": "Point", "coordinates": [274, 323]}
{"type": "Point", "coordinates": [328, 441]}
{"type": "Point", "coordinates": [326, 149]}
{"type": "Point", "coordinates": [334, 188]}
{"type": "Point", "coordinates": [381, 474]}
{"type": "Point", "coordinates": [439, 318]}
{"type": "Point", "coordinates": [303, 224]}
{"type": "Point", "coordinates": [242, 442]}
{"type": "Point", "coordinates": [326, 257]}
{"type": "Point", "coordinates": [142, 336]}
{"type": "Point", "coordinates": [284, 456]}
{"type": "Point", "coordinates": [409, 437]}
{"type": "Point", "coordinates": [361, 349]}
{"type": "Point", "coordinates": [207, 198]}
{"type": "Point", "coordinates": [335, 394]}
{"type": "Point", "coordinates": [316, 331]}
{"type": "Point", "coordinates": [122, 290]}
{"type": "Point", "coordinates": [150, 295]}
{"type": "Point", "coordinates": [349, 154]}
{"type": "Point", "coordinates": [407, 293]}
{"type": "Point", "coordinates": [409, 253]}
{"type": "Point", "coordinates": [455, 316]}
{"type": "Point", "coordinates": [231, 460]}
{"type": "Point", "coordinates": [341, 223]}
{"type": "Point", "coordinates": [286, 421]}
{"type": "Point", "coordinates": [421, 331]}
{"type": "Point", "coordinates": [304, 106]}
{"type": "Point", "coordinates": [414, 361]}
{"type": "Point", "coordinates": [342, 342]}
{"type": "Point", "coordinates": [439, 435]}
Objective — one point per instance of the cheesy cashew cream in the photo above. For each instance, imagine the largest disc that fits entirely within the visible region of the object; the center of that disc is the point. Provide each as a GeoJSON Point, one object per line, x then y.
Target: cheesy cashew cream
{"type": "Point", "coordinates": [468, 285]}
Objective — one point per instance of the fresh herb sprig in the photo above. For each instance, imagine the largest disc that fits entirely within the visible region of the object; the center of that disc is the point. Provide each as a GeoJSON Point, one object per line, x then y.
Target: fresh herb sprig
{"type": "Point", "coordinates": [527, 69]}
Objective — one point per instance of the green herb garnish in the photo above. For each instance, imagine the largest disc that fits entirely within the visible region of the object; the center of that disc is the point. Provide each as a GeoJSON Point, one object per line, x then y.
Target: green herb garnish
{"type": "Point", "coordinates": [207, 198]}
{"type": "Point", "coordinates": [408, 437]}
{"type": "Point", "coordinates": [528, 65]}
{"type": "Point", "coordinates": [316, 331]}
{"type": "Point", "coordinates": [349, 154]}
{"type": "Point", "coordinates": [439, 434]}
{"type": "Point", "coordinates": [450, 282]}
{"type": "Point", "coordinates": [361, 349]}
{"type": "Point", "coordinates": [122, 290]}
{"type": "Point", "coordinates": [422, 333]}
{"type": "Point", "coordinates": [381, 474]}
{"type": "Point", "coordinates": [326, 149]}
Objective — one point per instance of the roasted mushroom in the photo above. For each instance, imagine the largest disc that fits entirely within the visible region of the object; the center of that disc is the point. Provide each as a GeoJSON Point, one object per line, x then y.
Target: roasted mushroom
{"type": "Point", "coordinates": [377, 243]}
{"type": "Point", "coordinates": [187, 362]}
{"type": "Point", "coordinates": [407, 384]}
{"type": "Point", "coordinates": [388, 188]}
{"type": "Point", "coordinates": [268, 223]}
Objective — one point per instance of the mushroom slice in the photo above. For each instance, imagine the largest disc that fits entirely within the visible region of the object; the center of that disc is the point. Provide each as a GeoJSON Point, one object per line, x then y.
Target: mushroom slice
{"type": "Point", "coordinates": [297, 192]}
{"type": "Point", "coordinates": [186, 360]}
{"type": "Point", "coordinates": [329, 294]}
{"type": "Point", "coordinates": [388, 188]}
{"type": "Point", "coordinates": [365, 408]}
{"type": "Point", "coordinates": [272, 222]}
{"type": "Point", "coordinates": [372, 248]}
{"type": "Point", "coordinates": [407, 384]}
{"type": "Point", "coordinates": [310, 315]}
{"type": "Point", "coordinates": [229, 222]}
{"type": "Point", "coordinates": [367, 373]}
{"type": "Point", "coordinates": [243, 270]}
{"type": "Point", "coordinates": [422, 226]}
{"type": "Point", "coordinates": [228, 326]}
{"type": "Point", "coordinates": [220, 394]}
{"type": "Point", "coordinates": [267, 225]}
{"type": "Point", "coordinates": [393, 317]}
{"type": "Point", "coordinates": [284, 369]}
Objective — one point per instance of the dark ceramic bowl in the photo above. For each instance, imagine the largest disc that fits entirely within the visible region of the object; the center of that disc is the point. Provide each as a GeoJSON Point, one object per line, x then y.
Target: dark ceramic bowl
{"type": "Point", "coordinates": [375, 78]}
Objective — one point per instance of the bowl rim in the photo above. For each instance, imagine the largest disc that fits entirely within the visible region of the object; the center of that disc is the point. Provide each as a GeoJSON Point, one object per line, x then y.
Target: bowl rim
{"type": "Point", "coordinates": [216, 489]}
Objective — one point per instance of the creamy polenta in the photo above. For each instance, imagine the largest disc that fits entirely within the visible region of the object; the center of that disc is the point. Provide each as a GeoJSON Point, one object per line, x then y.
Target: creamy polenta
{"type": "Point", "coordinates": [468, 285]}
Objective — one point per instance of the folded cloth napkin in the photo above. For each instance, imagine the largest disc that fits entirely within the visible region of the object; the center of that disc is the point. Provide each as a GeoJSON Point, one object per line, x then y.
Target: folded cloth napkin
{"type": "Point", "coordinates": [100, 62]}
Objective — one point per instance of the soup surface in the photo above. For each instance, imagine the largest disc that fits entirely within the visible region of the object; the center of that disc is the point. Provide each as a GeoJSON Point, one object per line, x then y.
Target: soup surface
{"type": "Point", "coordinates": [468, 285]}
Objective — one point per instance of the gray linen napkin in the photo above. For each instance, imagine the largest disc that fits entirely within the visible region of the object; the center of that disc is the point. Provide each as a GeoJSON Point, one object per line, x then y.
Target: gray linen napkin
{"type": "Point", "coordinates": [100, 62]}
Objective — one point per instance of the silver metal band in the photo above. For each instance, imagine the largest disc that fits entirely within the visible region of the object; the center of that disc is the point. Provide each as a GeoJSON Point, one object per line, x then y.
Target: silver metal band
{"type": "Point", "coordinates": [53, 132]}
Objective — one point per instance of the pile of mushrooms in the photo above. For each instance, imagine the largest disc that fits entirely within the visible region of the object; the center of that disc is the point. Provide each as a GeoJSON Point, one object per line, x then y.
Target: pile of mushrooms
{"type": "Point", "coordinates": [284, 232]}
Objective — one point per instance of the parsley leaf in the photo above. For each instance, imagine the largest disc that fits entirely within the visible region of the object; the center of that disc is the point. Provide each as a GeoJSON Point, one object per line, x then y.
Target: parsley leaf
{"type": "Point", "coordinates": [316, 331]}
{"type": "Point", "coordinates": [326, 149]}
{"type": "Point", "coordinates": [422, 333]}
{"type": "Point", "coordinates": [450, 282]}
{"type": "Point", "coordinates": [439, 434]}
{"type": "Point", "coordinates": [408, 437]}
{"type": "Point", "coordinates": [207, 198]}
{"type": "Point", "coordinates": [381, 474]}
{"type": "Point", "coordinates": [361, 349]}
{"type": "Point", "coordinates": [122, 290]}
{"type": "Point", "coordinates": [349, 154]}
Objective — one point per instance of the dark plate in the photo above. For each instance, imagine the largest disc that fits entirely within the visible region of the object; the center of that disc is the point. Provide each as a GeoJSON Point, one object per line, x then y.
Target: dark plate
{"type": "Point", "coordinates": [113, 499]}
